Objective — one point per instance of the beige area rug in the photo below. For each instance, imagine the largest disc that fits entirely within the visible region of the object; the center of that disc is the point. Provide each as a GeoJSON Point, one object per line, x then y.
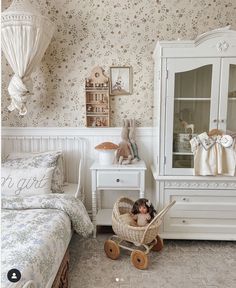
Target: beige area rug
{"type": "Point", "coordinates": [181, 264]}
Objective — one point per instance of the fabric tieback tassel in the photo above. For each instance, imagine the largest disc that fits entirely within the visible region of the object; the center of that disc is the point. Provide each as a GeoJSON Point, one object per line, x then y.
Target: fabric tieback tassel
{"type": "Point", "coordinates": [19, 93]}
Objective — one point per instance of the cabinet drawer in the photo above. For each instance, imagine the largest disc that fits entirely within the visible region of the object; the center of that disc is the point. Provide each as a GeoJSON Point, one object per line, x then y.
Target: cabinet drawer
{"type": "Point", "coordinates": [201, 211]}
{"type": "Point", "coordinates": [201, 200]}
{"type": "Point", "coordinates": [118, 179]}
{"type": "Point", "coordinates": [199, 225]}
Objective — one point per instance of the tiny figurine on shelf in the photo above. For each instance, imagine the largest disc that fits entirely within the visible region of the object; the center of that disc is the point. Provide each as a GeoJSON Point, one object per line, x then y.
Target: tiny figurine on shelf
{"type": "Point", "coordinates": [89, 108]}
{"type": "Point", "coordinates": [124, 154]}
{"type": "Point", "coordinates": [87, 82]}
{"type": "Point", "coordinates": [132, 140]}
{"type": "Point", "coordinates": [143, 212]}
{"type": "Point", "coordinates": [187, 126]}
{"type": "Point", "coordinates": [98, 122]}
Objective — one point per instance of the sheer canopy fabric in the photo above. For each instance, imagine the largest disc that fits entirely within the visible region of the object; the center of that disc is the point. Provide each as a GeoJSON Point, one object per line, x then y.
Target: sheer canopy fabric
{"type": "Point", "coordinates": [26, 35]}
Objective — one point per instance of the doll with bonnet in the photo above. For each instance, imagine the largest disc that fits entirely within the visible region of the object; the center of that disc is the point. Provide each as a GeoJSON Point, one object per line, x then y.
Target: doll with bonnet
{"type": "Point", "coordinates": [143, 212]}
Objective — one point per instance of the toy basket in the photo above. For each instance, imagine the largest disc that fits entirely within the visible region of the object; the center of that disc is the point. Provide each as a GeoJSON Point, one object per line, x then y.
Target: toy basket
{"type": "Point", "coordinates": [141, 235]}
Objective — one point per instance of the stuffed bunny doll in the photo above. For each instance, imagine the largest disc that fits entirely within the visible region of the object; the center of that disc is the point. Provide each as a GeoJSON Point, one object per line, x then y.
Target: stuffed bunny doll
{"type": "Point", "coordinates": [132, 140]}
{"type": "Point", "coordinates": [124, 153]}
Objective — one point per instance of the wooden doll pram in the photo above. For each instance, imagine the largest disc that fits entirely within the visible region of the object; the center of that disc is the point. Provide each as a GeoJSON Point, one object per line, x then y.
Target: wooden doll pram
{"type": "Point", "coordinates": [143, 238]}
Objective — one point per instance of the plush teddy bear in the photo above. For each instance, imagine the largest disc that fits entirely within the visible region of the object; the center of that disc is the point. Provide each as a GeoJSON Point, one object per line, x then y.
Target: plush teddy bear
{"type": "Point", "coordinates": [124, 153]}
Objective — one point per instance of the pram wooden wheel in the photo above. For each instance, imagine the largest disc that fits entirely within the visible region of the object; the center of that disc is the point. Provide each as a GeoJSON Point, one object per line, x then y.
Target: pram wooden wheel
{"type": "Point", "coordinates": [139, 259]}
{"type": "Point", "coordinates": [159, 245]}
{"type": "Point", "coordinates": [112, 249]}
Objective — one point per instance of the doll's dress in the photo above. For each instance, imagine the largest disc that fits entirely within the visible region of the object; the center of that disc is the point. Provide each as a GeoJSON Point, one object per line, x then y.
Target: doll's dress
{"type": "Point", "coordinates": [142, 219]}
{"type": "Point", "coordinates": [214, 155]}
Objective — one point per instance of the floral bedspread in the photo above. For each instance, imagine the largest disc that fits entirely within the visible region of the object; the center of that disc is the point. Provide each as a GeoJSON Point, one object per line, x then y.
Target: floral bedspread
{"type": "Point", "coordinates": [36, 231]}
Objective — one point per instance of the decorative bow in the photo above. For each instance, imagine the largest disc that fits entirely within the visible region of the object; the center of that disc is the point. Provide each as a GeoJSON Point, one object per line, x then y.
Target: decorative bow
{"type": "Point", "coordinates": [148, 203]}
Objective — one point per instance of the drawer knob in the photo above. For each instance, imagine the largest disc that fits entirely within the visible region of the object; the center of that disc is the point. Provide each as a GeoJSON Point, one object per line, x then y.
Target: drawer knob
{"type": "Point", "coordinates": [184, 221]}
{"type": "Point", "coordinates": [117, 180]}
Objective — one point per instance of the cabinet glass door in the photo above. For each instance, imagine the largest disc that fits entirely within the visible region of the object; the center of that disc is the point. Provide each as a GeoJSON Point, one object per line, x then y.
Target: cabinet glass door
{"type": "Point", "coordinates": [227, 107]}
{"type": "Point", "coordinates": [231, 111]}
{"type": "Point", "coordinates": [190, 101]}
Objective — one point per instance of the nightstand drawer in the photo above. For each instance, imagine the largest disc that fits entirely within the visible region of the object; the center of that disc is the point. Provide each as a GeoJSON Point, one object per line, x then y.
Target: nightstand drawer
{"type": "Point", "coordinates": [116, 179]}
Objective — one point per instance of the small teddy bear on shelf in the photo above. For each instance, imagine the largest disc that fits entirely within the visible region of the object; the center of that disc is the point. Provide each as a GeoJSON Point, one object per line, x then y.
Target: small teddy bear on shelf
{"type": "Point", "coordinates": [143, 212]}
{"type": "Point", "coordinates": [124, 153]}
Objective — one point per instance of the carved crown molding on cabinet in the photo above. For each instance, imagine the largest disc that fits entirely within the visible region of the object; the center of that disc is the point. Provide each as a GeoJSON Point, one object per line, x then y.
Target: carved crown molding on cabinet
{"type": "Point", "coordinates": [212, 34]}
{"type": "Point", "coordinates": [201, 185]}
{"type": "Point", "coordinates": [222, 46]}
{"type": "Point", "coordinates": [223, 39]}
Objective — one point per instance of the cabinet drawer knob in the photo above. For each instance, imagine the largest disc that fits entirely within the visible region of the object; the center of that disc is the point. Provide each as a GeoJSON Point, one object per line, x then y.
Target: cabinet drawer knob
{"type": "Point", "coordinates": [184, 221]}
{"type": "Point", "coordinates": [117, 180]}
{"type": "Point", "coordinates": [185, 199]}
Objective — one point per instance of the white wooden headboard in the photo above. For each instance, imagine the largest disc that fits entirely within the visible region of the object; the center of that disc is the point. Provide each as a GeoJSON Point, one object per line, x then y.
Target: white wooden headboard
{"type": "Point", "coordinates": [73, 148]}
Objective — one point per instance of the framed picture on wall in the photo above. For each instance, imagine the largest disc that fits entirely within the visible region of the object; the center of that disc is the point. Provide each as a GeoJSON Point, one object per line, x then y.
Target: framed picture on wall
{"type": "Point", "coordinates": [120, 80]}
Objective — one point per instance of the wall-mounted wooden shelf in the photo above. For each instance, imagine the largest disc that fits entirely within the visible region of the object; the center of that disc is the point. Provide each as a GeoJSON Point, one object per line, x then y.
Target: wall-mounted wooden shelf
{"type": "Point", "coordinates": [97, 99]}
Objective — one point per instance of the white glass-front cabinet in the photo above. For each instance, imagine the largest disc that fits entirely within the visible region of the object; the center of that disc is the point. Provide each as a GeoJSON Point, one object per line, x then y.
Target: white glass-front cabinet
{"type": "Point", "coordinates": [200, 96]}
{"type": "Point", "coordinates": [194, 92]}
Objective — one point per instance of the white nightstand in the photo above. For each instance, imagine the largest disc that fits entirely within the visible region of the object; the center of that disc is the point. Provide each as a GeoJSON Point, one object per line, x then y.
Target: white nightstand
{"type": "Point", "coordinates": [114, 177]}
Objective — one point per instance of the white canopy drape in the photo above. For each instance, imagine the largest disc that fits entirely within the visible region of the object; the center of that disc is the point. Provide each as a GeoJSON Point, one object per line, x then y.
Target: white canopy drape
{"type": "Point", "coordinates": [26, 35]}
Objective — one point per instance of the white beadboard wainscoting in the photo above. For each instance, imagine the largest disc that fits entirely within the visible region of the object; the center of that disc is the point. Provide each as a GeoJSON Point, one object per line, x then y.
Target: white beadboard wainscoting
{"type": "Point", "coordinates": [94, 136]}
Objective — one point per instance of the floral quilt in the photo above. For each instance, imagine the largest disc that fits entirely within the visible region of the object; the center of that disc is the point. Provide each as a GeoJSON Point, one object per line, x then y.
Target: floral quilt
{"type": "Point", "coordinates": [36, 231]}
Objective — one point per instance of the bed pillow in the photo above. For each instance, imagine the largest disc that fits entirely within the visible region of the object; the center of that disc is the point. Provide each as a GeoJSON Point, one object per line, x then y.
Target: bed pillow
{"type": "Point", "coordinates": [58, 174]}
{"type": "Point", "coordinates": [40, 159]}
{"type": "Point", "coordinates": [26, 181]}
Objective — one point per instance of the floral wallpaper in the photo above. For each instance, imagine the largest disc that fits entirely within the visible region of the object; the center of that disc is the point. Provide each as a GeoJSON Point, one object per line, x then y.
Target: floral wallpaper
{"type": "Point", "coordinates": [106, 33]}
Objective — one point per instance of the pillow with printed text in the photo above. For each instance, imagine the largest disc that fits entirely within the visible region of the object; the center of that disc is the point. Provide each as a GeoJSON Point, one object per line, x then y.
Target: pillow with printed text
{"type": "Point", "coordinates": [26, 181]}
{"type": "Point", "coordinates": [40, 159]}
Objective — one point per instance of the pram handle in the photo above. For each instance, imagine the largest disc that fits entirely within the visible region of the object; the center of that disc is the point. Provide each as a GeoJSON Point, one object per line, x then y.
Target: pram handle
{"type": "Point", "coordinates": [159, 217]}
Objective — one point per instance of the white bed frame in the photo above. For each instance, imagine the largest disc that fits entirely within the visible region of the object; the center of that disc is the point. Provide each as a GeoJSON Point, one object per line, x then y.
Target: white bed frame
{"type": "Point", "coordinates": [73, 156]}
{"type": "Point", "coordinates": [74, 163]}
